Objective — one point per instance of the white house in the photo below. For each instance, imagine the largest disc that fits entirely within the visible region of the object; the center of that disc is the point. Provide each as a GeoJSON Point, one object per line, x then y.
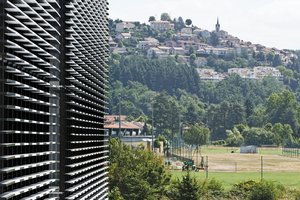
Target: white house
{"type": "Point", "coordinates": [177, 50]}
{"type": "Point", "coordinates": [159, 53]}
{"type": "Point", "coordinates": [121, 36]}
{"type": "Point", "coordinates": [118, 50]}
{"type": "Point", "coordinates": [187, 30]}
{"type": "Point", "coordinates": [152, 40]}
{"type": "Point", "coordinates": [144, 44]}
{"type": "Point", "coordinates": [165, 49]}
{"type": "Point", "coordinates": [220, 51]}
{"type": "Point", "coordinates": [161, 25]}
{"type": "Point", "coordinates": [202, 33]}
{"type": "Point", "coordinates": [122, 25]}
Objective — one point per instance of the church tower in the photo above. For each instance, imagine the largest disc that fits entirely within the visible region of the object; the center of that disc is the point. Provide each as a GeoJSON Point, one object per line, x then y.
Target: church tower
{"type": "Point", "coordinates": [217, 26]}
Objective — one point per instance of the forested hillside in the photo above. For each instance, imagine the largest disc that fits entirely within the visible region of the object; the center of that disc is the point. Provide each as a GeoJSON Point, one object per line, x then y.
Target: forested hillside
{"type": "Point", "coordinates": [180, 97]}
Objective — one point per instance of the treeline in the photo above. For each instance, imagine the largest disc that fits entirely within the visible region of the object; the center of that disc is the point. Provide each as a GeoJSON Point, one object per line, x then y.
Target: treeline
{"type": "Point", "coordinates": [157, 75]}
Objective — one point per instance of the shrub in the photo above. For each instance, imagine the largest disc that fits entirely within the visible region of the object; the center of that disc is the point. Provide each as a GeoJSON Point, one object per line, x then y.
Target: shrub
{"type": "Point", "coordinates": [215, 187]}
{"type": "Point", "coordinates": [264, 190]}
{"type": "Point", "coordinates": [219, 142]}
{"type": "Point", "coordinates": [243, 188]}
{"type": "Point", "coordinates": [297, 196]}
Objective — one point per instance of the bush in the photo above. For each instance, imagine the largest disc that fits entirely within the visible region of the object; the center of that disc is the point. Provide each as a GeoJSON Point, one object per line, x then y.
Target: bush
{"type": "Point", "coordinates": [219, 142]}
{"type": "Point", "coordinates": [215, 187]}
{"type": "Point", "coordinates": [243, 188]}
{"type": "Point", "coordinates": [264, 190]}
{"type": "Point", "coordinates": [297, 196]}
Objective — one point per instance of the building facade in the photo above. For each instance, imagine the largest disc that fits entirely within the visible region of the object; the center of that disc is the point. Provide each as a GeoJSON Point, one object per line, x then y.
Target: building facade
{"type": "Point", "coordinates": [53, 73]}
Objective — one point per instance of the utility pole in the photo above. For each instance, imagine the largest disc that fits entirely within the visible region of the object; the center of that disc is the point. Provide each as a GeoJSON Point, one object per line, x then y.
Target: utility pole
{"type": "Point", "coordinates": [119, 135]}
{"type": "Point", "coordinates": [152, 125]}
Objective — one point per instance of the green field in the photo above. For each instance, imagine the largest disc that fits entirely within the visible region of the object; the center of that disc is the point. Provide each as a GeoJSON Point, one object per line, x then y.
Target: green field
{"type": "Point", "coordinates": [229, 178]}
{"type": "Point", "coordinates": [219, 149]}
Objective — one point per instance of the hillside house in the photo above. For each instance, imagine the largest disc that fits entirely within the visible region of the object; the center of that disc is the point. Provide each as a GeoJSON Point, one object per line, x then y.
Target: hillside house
{"type": "Point", "coordinates": [161, 25]}
{"type": "Point", "coordinates": [118, 50]}
{"type": "Point", "coordinates": [144, 44]}
{"type": "Point", "coordinates": [223, 34]}
{"type": "Point", "coordinates": [123, 25]}
{"type": "Point", "coordinates": [261, 71]}
{"type": "Point", "coordinates": [202, 33]}
{"type": "Point", "coordinates": [177, 50]}
{"type": "Point", "coordinates": [156, 51]}
{"type": "Point", "coordinates": [165, 49]}
{"type": "Point", "coordinates": [170, 43]}
{"type": "Point", "coordinates": [152, 40]}
{"type": "Point", "coordinates": [112, 44]}
{"type": "Point", "coordinates": [210, 75]}
{"type": "Point", "coordinates": [232, 41]}
{"type": "Point", "coordinates": [187, 44]}
{"type": "Point", "coordinates": [202, 45]}
{"type": "Point", "coordinates": [220, 51]}
{"type": "Point", "coordinates": [121, 36]}
{"type": "Point", "coordinates": [186, 30]}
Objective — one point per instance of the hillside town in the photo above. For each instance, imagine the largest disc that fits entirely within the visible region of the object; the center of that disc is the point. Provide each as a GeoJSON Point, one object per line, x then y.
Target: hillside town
{"type": "Point", "coordinates": [180, 42]}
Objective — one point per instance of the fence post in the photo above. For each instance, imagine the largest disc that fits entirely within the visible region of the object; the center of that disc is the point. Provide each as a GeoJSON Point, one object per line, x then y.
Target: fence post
{"type": "Point", "coordinates": [262, 175]}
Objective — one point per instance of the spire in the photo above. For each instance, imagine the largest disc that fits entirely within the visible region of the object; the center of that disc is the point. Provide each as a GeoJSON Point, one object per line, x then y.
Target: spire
{"type": "Point", "coordinates": [217, 25]}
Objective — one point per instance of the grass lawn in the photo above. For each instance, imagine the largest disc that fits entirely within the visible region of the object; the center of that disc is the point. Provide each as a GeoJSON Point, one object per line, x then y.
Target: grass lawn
{"type": "Point", "coordinates": [221, 149]}
{"type": "Point", "coordinates": [229, 178]}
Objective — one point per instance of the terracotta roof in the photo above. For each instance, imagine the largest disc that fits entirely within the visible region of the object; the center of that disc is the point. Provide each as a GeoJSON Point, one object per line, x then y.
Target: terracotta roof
{"type": "Point", "coordinates": [113, 118]}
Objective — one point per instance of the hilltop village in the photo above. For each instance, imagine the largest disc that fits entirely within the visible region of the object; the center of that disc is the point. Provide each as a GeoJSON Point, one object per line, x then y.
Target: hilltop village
{"type": "Point", "coordinates": [192, 45]}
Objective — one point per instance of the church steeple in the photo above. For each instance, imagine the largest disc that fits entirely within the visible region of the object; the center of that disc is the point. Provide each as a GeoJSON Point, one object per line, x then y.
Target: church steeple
{"type": "Point", "coordinates": [217, 25]}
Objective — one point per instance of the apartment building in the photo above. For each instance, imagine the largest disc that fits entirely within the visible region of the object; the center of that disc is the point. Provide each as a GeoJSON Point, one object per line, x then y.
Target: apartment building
{"type": "Point", "coordinates": [53, 57]}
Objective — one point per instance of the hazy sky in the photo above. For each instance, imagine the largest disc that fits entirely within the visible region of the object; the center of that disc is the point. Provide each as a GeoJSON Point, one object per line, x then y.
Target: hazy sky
{"type": "Point", "coordinates": [273, 23]}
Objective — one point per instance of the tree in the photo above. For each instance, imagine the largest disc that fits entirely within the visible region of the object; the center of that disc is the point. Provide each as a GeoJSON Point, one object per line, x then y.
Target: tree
{"type": "Point", "coordinates": [138, 173]}
{"type": "Point", "coordinates": [165, 17]}
{"type": "Point", "coordinates": [192, 50]}
{"type": "Point", "coordinates": [197, 136]}
{"type": "Point", "coordinates": [163, 139]}
{"type": "Point", "coordinates": [261, 56]}
{"type": "Point", "coordinates": [258, 136]}
{"type": "Point", "coordinates": [259, 117]}
{"type": "Point", "coordinates": [193, 58]}
{"type": "Point", "coordinates": [188, 188]}
{"type": "Point", "coordinates": [188, 22]}
{"type": "Point", "coordinates": [230, 56]}
{"type": "Point", "coordinates": [248, 107]}
{"type": "Point", "coordinates": [214, 39]}
{"type": "Point", "coordinates": [120, 44]}
{"type": "Point", "coordinates": [145, 130]}
{"type": "Point", "coordinates": [151, 18]}
{"type": "Point", "coordinates": [180, 20]}
{"type": "Point", "coordinates": [156, 143]}
{"type": "Point", "coordinates": [244, 53]}
{"type": "Point", "coordinates": [270, 56]}
{"type": "Point", "coordinates": [277, 61]}
{"type": "Point", "coordinates": [234, 137]}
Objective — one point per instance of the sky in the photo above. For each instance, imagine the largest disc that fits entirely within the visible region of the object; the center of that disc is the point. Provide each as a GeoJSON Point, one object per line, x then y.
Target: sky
{"type": "Point", "coordinates": [273, 23]}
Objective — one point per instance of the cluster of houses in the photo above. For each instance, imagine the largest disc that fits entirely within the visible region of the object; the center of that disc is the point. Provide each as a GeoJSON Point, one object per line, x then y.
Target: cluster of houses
{"type": "Point", "coordinates": [255, 74]}
{"type": "Point", "coordinates": [181, 42]}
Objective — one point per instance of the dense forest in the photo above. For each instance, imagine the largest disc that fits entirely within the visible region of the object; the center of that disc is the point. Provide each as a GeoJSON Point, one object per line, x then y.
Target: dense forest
{"type": "Point", "coordinates": [178, 91]}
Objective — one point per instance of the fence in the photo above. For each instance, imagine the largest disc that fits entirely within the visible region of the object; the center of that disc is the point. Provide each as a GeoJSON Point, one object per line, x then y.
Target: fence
{"type": "Point", "coordinates": [292, 152]}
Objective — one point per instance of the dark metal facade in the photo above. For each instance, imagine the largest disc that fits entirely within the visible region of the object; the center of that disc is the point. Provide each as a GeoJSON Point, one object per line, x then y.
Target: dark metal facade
{"type": "Point", "coordinates": [53, 70]}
